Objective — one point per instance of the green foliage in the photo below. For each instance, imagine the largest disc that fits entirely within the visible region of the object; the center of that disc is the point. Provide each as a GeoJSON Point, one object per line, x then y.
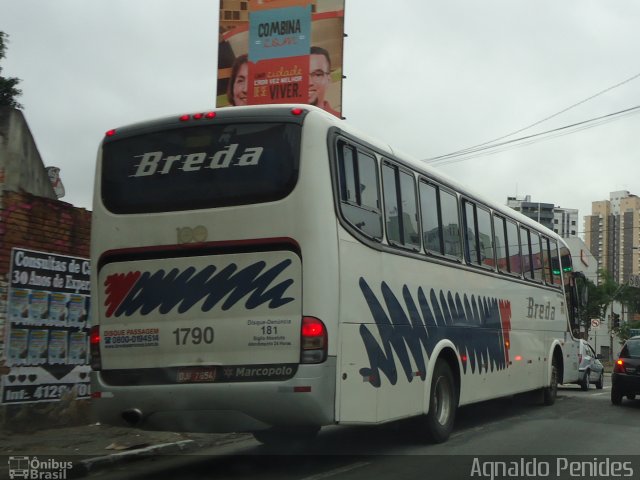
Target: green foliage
{"type": "Point", "coordinates": [623, 332]}
{"type": "Point", "coordinates": [600, 297]}
{"type": "Point", "coordinates": [603, 295]}
{"type": "Point", "coordinates": [8, 90]}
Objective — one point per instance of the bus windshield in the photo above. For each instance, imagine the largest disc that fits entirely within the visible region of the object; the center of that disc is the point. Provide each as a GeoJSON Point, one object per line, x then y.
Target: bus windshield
{"type": "Point", "coordinates": [200, 167]}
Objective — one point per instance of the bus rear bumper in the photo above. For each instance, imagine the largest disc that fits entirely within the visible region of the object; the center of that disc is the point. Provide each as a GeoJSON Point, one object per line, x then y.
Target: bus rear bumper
{"type": "Point", "coordinates": [306, 400]}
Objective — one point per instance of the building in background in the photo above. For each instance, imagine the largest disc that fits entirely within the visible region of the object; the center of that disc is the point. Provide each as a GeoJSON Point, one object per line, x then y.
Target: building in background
{"type": "Point", "coordinates": [540, 212]}
{"type": "Point", "coordinates": [612, 233]}
{"type": "Point", "coordinates": [563, 221]}
{"type": "Point", "coordinates": [583, 260]}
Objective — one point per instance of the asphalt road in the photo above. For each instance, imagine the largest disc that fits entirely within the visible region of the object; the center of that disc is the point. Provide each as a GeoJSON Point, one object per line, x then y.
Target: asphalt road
{"type": "Point", "coordinates": [582, 436]}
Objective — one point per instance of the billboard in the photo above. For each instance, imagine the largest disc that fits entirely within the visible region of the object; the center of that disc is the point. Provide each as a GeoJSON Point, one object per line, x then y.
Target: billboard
{"type": "Point", "coordinates": [281, 51]}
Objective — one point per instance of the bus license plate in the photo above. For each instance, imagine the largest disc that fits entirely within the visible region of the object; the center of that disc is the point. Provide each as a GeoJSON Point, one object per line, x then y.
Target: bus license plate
{"type": "Point", "coordinates": [196, 375]}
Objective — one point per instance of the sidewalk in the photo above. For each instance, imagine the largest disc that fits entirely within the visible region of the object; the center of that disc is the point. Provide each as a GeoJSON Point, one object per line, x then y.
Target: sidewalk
{"type": "Point", "coordinates": [97, 445]}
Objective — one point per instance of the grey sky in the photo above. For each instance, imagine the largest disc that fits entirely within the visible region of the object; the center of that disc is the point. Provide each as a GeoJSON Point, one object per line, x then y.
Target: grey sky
{"type": "Point", "coordinates": [428, 77]}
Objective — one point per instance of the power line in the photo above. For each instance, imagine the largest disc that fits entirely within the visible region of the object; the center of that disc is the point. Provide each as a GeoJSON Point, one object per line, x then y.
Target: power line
{"type": "Point", "coordinates": [474, 152]}
{"type": "Point", "coordinates": [464, 150]}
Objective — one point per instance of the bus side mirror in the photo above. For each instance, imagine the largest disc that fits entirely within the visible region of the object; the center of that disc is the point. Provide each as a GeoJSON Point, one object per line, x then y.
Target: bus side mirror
{"type": "Point", "coordinates": [583, 288]}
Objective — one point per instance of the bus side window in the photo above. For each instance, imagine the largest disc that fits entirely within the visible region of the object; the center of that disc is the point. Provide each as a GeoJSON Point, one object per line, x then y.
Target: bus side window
{"type": "Point", "coordinates": [359, 194]}
{"type": "Point", "coordinates": [525, 249]}
{"type": "Point", "coordinates": [390, 193]}
{"type": "Point", "coordinates": [450, 224]}
{"type": "Point", "coordinates": [347, 174]}
{"type": "Point", "coordinates": [470, 234]}
{"type": "Point", "coordinates": [409, 211]}
{"type": "Point", "coordinates": [546, 260]}
{"type": "Point", "coordinates": [536, 257]}
{"type": "Point", "coordinates": [478, 235]}
{"type": "Point", "coordinates": [400, 207]}
{"type": "Point", "coordinates": [513, 248]}
{"type": "Point", "coordinates": [485, 238]}
{"type": "Point", "coordinates": [555, 264]}
{"type": "Point", "coordinates": [431, 226]}
{"type": "Point", "coordinates": [500, 241]}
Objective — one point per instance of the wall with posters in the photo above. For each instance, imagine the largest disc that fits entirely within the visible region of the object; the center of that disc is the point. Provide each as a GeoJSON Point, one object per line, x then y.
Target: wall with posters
{"type": "Point", "coordinates": [47, 327]}
{"type": "Point", "coordinates": [281, 51]}
{"type": "Point", "coordinates": [44, 293]}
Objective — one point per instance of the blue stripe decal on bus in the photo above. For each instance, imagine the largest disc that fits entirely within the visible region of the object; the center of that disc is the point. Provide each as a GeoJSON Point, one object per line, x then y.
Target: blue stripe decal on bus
{"type": "Point", "coordinates": [474, 324]}
{"type": "Point", "coordinates": [142, 292]}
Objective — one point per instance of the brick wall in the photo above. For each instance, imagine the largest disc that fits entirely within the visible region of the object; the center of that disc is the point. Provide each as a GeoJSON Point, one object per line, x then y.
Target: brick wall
{"type": "Point", "coordinates": [38, 223]}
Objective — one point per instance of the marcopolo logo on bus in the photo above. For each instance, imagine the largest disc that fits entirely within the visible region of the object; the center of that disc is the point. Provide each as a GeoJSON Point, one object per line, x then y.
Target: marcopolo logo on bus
{"type": "Point", "coordinates": [152, 163]}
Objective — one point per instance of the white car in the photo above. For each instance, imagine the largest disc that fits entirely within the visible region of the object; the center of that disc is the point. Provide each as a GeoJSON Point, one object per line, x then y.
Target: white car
{"type": "Point", "coordinates": [590, 368]}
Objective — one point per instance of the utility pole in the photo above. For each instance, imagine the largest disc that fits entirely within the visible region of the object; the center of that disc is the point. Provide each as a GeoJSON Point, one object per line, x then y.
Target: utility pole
{"type": "Point", "coordinates": [613, 317]}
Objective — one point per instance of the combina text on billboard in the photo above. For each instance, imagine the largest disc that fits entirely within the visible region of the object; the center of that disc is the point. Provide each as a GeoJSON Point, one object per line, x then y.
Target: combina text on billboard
{"type": "Point", "coordinates": [281, 51]}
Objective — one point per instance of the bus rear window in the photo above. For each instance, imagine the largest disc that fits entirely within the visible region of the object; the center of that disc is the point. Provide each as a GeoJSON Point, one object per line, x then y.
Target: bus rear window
{"type": "Point", "coordinates": [200, 167]}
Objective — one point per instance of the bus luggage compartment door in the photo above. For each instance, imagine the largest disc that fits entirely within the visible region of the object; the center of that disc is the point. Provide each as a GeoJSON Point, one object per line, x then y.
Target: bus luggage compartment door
{"type": "Point", "coordinates": [213, 310]}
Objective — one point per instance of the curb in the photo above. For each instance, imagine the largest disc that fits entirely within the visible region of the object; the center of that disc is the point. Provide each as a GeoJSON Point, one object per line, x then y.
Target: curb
{"type": "Point", "coordinates": [90, 465]}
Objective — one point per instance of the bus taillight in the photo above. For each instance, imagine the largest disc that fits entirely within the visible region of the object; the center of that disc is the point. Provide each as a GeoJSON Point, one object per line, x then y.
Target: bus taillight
{"type": "Point", "coordinates": [313, 341]}
{"type": "Point", "coordinates": [94, 348]}
{"type": "Point", "coordinates": [197, 116]}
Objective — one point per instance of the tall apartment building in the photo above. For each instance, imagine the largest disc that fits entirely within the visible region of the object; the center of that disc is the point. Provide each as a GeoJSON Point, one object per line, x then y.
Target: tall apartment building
{"type": "Point", "coordinates": [563, 221]}
{"type": "Point", "coordinates": [540, 212]}
{"type": "Point", "coordinates": [612, 233]}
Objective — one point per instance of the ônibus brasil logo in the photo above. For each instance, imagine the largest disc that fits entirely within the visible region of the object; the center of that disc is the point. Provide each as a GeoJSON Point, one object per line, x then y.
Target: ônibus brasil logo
{"type": "Point", "coordinates": [35, 468]}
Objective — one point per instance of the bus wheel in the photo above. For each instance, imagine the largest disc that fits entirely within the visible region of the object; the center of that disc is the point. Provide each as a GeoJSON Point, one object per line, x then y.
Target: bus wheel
{"type": "Point", "coordinates": [551, 392]}
{"type": "Point", "coordinates": [443, 402]}
{"type": "Point", "coordinates": [289, 437]}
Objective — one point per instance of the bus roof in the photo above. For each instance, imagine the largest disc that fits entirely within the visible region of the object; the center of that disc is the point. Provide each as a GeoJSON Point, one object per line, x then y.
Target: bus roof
{"type": "Point", "coordinates": [297, 112]}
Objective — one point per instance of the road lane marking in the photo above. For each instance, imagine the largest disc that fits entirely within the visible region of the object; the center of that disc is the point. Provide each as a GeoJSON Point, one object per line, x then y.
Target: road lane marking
{"type": "Point", "coordinates": [337, 471]}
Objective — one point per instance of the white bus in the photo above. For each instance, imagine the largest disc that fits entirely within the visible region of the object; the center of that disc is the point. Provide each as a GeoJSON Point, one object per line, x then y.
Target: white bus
{"type": "Point", "coordinates": [272, 270]}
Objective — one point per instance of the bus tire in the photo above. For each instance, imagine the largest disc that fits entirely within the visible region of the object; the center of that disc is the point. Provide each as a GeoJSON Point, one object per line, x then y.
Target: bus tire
{"type": "Point", "coordinates": [443, 402]}
{"type": "Point", "coordinates": [286, 437]}
{"type": "Point", "coordinates": [550, 392]}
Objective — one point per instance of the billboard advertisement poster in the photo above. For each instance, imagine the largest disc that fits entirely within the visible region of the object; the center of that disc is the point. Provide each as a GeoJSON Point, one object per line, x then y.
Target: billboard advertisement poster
{"type": "Point", "coordinates": [47, 328]}
{"type": "Point", "coordinates": [279, 33]}
{"type": "Point", "coordinates": [280, 80]}
{"type": "Point", "coordinates": [281, 51]}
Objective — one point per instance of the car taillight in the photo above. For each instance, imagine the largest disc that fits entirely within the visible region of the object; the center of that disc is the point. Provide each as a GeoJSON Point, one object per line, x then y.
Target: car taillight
{"type": "Point", "coordinates": [619, 367]}
{"type": "Point", "coordinates": [313, 341]}
{"type": "Point", "coordinates": [94, 348]}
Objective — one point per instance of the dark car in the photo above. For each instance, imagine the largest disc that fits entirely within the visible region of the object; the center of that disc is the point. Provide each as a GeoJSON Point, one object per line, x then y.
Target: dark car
{"type": "Point", "coordinates": [625, 379]}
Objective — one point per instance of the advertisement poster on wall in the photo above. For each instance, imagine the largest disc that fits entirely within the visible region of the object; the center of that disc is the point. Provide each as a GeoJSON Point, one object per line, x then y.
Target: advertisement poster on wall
{"type": "Point", "coordinates": [47, 328]}
{"type": "Point", "coordinates": [281, 51]}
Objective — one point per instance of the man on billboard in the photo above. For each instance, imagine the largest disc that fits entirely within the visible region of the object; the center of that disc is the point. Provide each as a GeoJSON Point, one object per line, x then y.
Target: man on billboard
{"type": "Point", "coordinates": [320, 78]}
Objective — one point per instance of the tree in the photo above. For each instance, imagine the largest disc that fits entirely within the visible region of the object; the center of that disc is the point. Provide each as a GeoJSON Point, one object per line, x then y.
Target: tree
{"type": "Point", "coordinates": [599, 299]}
{"type": "Point", "coordinates": [8, 90]}
{"type": "Point", "coordinates": [603, 295]}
